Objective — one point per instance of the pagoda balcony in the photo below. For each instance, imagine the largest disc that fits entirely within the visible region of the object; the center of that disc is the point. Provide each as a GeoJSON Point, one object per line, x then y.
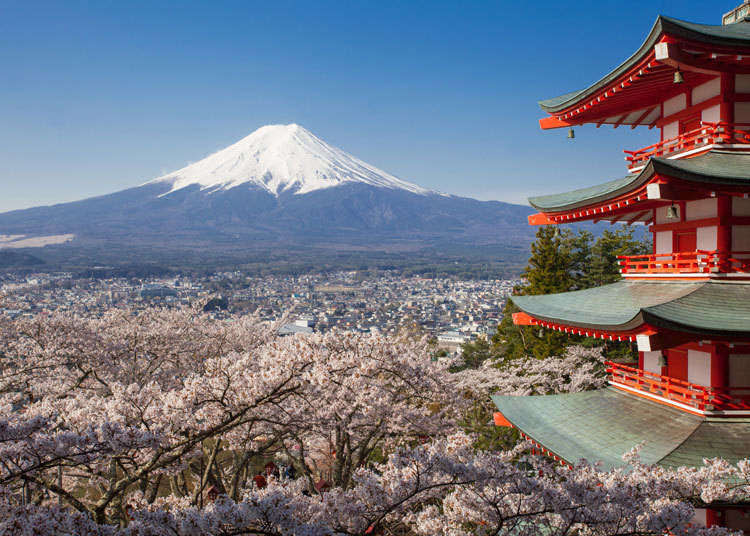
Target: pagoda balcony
{"type": "Point", "coordinates": [691, 142]}
{"type": "Point", "coordinates": [680, 393]}
{"type": "Point", "coordinates": [695, 262]}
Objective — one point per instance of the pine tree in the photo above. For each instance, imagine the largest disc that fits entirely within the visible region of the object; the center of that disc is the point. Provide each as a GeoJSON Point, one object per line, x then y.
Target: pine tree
{"type": "Point", "coordinates": [549, 271]}
{"type": "Point", "coordinates": [603, 266]}
{"type": "Point", "coordinates": [562, 261]}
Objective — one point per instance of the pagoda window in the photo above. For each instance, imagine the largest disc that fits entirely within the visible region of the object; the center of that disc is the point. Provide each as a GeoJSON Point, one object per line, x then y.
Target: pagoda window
{"type": "Point", "coordinates": [742, 113]}
{"type": "Point", "coordinates": [712, 114]}
{"type": "Point", "coordinates": [699, 367]}
{"type": "Point", "coordinates": [671, 130]}
{"type": "Point", "coordinates": [652, 362]}
{"type": "Point", "coordinates": [703, 92]}
{"type": "Point", "coordinates": [701, 209]}
{"type": "Point", "coordinates": [706, 238]}
{"type": "Point", "coordinates": [742, 83]}
{"type": "Point", "coordinates": [674, 105]}
{"type": "Point", "coordinates": [663, 242]}
{"type": "Point", "coordinates": [740, 206]}
{"type": "Point", "coordinates": [741, 238]}
{"type": "Point", "coordinates": [739, 371]}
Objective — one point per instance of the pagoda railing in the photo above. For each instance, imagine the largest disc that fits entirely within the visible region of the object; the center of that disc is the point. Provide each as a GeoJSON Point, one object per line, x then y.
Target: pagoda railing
{"type": "Point", "coordinates": [685, 393]}
{"type": "Point", "coordinates": [684, 262]}
{"type": "Point", "coordinates": [707, 134]}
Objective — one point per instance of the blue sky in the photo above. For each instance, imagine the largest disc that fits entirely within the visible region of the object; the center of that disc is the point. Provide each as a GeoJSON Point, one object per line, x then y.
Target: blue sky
{"type": "Point", "coordinates": [99, 96]}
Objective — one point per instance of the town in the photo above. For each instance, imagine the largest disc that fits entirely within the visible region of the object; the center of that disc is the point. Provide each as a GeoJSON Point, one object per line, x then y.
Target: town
{"type": "Point", "coordinates": [452, 311]}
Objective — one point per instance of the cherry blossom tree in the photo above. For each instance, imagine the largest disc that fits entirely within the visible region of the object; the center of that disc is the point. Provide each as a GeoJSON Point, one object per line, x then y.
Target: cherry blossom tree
{"type": "Point", "coordinates": [172, 400]}
{"type": "Point", "coordinates": [578, 369]}
{"type": "Point", "coordinates": [120, 426]}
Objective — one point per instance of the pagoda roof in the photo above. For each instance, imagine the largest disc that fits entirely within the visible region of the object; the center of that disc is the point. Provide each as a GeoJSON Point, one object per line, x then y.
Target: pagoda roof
{"type": "Point", "coordinates": [715, 167]}
{"type": "Point", "coordinates": [729, 36]}
{"type": "Point", "coordinates": [718, 308]}
{"type": "Point", "coordinates": [602, 425]}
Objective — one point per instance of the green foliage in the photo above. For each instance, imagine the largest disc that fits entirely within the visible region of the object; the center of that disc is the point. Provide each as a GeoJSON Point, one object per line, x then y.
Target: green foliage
{"type": "Point", "coordinates": [549, 268]}
{"type": "Point", "coordinates": [475, 352]}
{"type": "Point", "coordinates": [478, 422]}
{"type": "Point", "coordinates": [563, 261]}
{"type": "Point", "coordinates": [603, 267]}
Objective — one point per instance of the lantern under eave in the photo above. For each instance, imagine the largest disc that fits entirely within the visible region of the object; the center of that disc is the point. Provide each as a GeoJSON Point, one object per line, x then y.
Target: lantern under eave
{"type": "Point", "coordinates": [686, 305]}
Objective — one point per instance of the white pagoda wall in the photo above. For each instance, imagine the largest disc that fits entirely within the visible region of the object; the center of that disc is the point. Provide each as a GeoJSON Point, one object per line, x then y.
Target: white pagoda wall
{"type": "Point", "coordinates": [699, 367]}
{"type": "Point", "coordinates": [651, 362]}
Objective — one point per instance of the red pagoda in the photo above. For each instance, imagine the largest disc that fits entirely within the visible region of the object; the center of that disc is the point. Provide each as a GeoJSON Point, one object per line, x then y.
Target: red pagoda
{"type": "Point", "coordinates": [686, 305]}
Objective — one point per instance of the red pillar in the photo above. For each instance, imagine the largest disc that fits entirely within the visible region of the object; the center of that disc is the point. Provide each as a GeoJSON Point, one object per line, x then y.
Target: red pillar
{"type": "Point", "coordinates": [713, 518]}
{"type": "Point", "coordinates": [724, 234]}
{"type": "Point", "coordinates": [720, 366]}
{"type": "Point", "coordinates": [726, 108]}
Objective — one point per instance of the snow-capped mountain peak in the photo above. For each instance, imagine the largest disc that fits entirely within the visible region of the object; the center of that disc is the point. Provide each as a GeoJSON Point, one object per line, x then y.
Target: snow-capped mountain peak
{"type": "Point", "coordinates": [282, 158]}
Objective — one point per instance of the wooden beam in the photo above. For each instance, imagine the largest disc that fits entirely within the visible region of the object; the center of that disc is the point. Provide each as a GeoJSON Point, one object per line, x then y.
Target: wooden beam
{"type": "Point", "coordinates": [658, 191]}
{"type": "Point", "coordinates": [617, 218]}
{"type": "Point", "coordinates": [540, 218]}
{"type": "Point", "coordinates": [619, 121]}
{"type": "Point", "coordinates": [653, 340]}
{"type": "Point", "coordinates": [500, 420]}
{"type": "Point", "coordinates": [670, 54]}
{"type": "Point", "coordinates": [680, 225]}
{"type": "Point", "coordinates": [689, 111]}
{"type": "Point", "coordinates": [637, 217]}
{"type": "Point", "coordinates": [523, 319]}
{"type": "Point", "coordinates": [643, 116]}
{"type": "Point", "coordinates": [552, 122]}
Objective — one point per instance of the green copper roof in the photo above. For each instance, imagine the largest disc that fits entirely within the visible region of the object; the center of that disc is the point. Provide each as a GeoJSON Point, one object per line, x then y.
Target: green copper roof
{"type": "Point", "coordinates": [731, 35]}
{"type": "Point", "coordinates": [705, 307]}
{"type": "Point", "coordinates": [574, 198]}
{"type": "Point", "coordinates": [601, 426]}
{"type": "Point", "coordinates": [716, 307]}
{"type": "Point", "coordinates": [714, 167]}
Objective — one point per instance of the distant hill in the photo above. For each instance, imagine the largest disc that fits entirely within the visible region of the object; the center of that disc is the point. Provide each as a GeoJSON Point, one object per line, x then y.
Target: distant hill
{"type": "Point", "coordinates": [15, 259]}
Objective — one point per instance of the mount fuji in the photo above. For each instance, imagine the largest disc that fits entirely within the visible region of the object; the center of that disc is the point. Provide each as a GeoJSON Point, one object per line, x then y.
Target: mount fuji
{"type": "Point", "coordinates": [280, 189]}
{"type": "Point", "coordinates": [279, 159]}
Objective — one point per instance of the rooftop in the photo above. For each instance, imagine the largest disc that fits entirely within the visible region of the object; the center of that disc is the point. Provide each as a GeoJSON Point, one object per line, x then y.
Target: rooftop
{"type": "Point", "coordinates": [713, 308]}
{"type": "Point", "coordinates": [603, 425]}
{"type": "Point", "coordinates": [716, 168]}
{"type": "Point", "coordinates": [728, 36]}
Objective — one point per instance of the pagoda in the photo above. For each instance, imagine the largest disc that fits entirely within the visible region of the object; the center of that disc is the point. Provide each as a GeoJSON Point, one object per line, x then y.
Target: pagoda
{"type": "Point", "coordinates": [686, 305]}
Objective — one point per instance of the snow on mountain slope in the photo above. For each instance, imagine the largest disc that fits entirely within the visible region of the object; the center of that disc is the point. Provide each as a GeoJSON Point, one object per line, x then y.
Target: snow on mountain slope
{"type": "Point", "coordinates": [282, 158]}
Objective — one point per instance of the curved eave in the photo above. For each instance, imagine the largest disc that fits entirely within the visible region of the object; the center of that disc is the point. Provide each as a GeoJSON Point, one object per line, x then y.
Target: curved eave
{"type": "Point", "coordinates": [729, 169]}
{"type": "Point", "coordinates": [584, 197]}
{"type": "Point", "coordinates": [718, 309]}
{"type": "Point", "coordinates": [604, 425]}
{"type": "Point", "coordinates": [616, 307]}
{"type": "Point", "coordinates": [730, 36]}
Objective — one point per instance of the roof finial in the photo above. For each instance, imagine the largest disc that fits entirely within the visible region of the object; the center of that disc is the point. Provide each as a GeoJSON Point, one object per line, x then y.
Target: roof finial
{"type": "Point", "coordinates": [738, 14]}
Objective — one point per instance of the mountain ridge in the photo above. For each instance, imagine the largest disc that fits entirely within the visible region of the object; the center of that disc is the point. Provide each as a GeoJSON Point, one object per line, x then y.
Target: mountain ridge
{"type": "Point", "coordinates": [280, 191]}
{"type": "Point", "coordinates": [281, 158]}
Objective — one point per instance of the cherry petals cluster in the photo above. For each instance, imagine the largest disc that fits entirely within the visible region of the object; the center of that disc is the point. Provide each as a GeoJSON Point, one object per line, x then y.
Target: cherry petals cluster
{"type": "Point", "coordinates": [153, 423]}
{"type": "Point", "coordinates": [579, 369]}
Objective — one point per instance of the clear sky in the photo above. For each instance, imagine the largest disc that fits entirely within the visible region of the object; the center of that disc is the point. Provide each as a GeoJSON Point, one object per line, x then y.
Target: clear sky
{"type": "Point", "coordinates": [99, 96]}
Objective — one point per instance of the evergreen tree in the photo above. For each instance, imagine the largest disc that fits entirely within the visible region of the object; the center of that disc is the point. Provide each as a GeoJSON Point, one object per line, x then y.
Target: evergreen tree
{"type": "Point", "coordinates": [603, 266]}
{"type": "Point", "coordinates": [550, 270]}
{"type": "Point", "coordinates": [562, 261]}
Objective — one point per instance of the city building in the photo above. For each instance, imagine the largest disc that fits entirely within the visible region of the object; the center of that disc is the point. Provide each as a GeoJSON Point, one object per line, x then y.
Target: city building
{"type": "Point", "coordinates": [686, 305]}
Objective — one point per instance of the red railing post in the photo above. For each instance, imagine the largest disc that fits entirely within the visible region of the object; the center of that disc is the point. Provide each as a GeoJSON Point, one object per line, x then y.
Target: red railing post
{"type": "Point", "coordinates": [696, 396]}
